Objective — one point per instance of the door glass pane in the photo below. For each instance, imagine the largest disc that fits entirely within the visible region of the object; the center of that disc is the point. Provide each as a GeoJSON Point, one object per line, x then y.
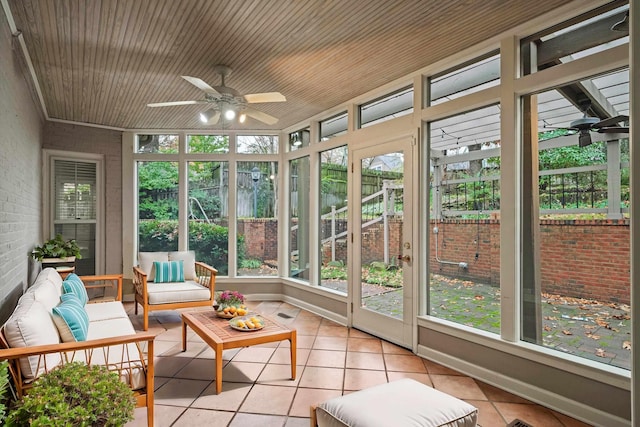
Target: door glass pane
{"type": "Point", "coordinates": [208, 213]}
{"type": "Point", "coordinates": [75, 208]}
{"type": "Point", "coordinates": [382, 205]}
{"type": "Point", "coordinates": [299, 218]}
{"type": "Point", "coordinates": [333, 218]}
{"type": "Point", "coordinates": [256, 203]}
{"type": "Point", "coordinates": [464, 228]}
{"type": "Point", "coordinates": [157, 206]}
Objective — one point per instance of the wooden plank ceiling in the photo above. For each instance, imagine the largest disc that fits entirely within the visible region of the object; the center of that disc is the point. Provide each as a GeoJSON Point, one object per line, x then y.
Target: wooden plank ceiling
{"type": "Point", "coordinates": [101, 62]}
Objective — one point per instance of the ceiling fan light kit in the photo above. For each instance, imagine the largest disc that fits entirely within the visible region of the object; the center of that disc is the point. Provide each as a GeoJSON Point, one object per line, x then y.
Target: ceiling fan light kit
{"type": "Point", "coordinates": [227, 101]}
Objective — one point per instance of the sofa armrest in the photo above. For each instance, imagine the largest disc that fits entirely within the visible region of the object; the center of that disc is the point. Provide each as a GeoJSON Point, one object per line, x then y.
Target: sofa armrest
{"type": "Point", "coordinates": [104, 281]}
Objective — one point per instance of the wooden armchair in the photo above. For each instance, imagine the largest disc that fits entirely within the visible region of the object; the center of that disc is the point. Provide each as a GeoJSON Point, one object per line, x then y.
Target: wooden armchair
{"type": "Point", "coordinates": [196, 290]}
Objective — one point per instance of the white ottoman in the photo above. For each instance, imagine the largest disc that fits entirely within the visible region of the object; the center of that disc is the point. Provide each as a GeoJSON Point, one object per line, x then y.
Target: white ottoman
{"type": "Point", "coordinates": [404, 402]}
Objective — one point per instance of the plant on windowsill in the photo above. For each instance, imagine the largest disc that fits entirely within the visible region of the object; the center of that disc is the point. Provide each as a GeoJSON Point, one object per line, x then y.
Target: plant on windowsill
{"type": "Point", "coordinates": [57, 250]}
{"type": "Point", "coordinates": [75, 394]}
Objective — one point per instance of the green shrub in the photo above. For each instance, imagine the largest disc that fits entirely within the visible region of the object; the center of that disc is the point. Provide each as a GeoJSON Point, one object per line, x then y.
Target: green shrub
{"type": "Point", "coordinates": [4, 383]}
{"type": "Point", "coordinates": [75, 394]}
{"type": "Point", "coordinates": [251, 264]}
{"type": "Point", "coordinates": [209, 241]}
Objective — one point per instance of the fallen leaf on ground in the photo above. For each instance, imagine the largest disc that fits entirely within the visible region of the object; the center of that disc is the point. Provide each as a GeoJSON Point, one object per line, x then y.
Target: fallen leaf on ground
{"type": "Point", "coordinates": [626, 345]}
{"type": "Point", "coordinates": [600, 352]}
{"type": "Point", "coordinates": [567, 332]}
{"type": "Point", "coordinates": [478, 297]}
{"type": "Point", "coordinates": [593, 336]}
{"type": "Point", "coordinates": [547, 328]}
{"type": "Point", "coordinates": [550, 318]}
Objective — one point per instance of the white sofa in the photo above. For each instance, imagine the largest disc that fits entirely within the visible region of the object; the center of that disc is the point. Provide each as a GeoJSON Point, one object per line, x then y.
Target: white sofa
{"type": "Point", "coordinates": [35, 339]}
{"type": "Point", "coordinates": [196, 289]}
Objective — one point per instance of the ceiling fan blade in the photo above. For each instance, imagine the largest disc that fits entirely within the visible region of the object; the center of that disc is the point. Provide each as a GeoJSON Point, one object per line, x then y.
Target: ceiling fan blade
{"type": "Point", "coordinates": [202, 85]}
{"type": "Point", "coordinates": [173, 103]}
{"type": "Point", "coordinates": [614, 129]}
{"type": "Point", "coordinates": [259, 115]}
{"type": "Point", "coordinates": [611, 121]}
{"type": "Point", "coordinates": [256, 98]}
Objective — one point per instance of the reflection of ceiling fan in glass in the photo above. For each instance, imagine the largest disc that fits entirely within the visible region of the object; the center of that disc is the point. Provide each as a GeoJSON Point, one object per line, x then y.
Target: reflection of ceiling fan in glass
{"type": "Point", "coordinates": [227, 101]}
{"type": "Point", "coordinates": [586, 125]}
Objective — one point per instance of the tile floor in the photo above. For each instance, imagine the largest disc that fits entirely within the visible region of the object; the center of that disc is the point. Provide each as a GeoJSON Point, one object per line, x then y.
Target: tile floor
{"type": "Point", "coordinates": [332, 360]}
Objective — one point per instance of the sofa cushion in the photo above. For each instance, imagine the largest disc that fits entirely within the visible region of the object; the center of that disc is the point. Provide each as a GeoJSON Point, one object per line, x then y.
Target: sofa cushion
{"type": "Point", "coordinates": [74, 285]}
{"type": "Point", "coordinates": [169, 271]}
{"type": "Point", "coordinates": [146, 260]}
{"type": "Point", "coordinates": [32, 324]}
{"type": "Point", "coordinates": [404, 402]}
{"type": "Point", "coordinates": [163, 293]}
{"type": "Point", "coordinates": [105, 311]}
{"type": "Point", "coordinates": [47, 288]}
{"type": "Point", "coordinates": [189, 258]}
{"type": "Point", "coordinates": [71, 319]}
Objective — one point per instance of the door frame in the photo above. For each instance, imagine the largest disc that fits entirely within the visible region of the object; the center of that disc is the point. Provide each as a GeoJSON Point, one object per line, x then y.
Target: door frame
{"type": "Point", "coordinates": [401, 332]}
{"type": "Point", "coordinates": [48, 206]}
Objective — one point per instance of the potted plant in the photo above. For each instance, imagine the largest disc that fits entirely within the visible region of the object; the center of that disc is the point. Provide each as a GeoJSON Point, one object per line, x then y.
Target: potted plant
{"type": "Point", "coordinates": [57, 250]}
{"type": "Point", "coordinates": [75, 394]}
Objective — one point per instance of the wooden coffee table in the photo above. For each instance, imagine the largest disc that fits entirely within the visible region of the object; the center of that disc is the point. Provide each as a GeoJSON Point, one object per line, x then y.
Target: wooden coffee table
{"type": "Point", "coordinates": [217, 333]}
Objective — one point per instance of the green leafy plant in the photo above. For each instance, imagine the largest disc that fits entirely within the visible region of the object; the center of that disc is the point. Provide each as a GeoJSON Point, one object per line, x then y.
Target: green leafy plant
{"type": "Point", "coordinates": [251, 263]}
{"type": "Point", "coordinates": [57, 248]}
{"type": "Point", "coordinates": [75, 394]}
{"type": "Point", "coordinates": [4, 383]}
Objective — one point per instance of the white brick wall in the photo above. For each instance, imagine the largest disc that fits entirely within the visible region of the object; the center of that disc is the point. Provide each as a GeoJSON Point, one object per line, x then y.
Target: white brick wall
{"type": "Point", "coordinates": [20, 181]}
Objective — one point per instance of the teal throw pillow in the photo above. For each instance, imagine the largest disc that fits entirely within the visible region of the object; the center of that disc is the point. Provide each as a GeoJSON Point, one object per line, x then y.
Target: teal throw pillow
{"type": "Point", "coordinates": [71, 319]}
{"type": "Point", "coordinates": [72, 284]}
{"type": "Point", "coordinates": [169, 271]}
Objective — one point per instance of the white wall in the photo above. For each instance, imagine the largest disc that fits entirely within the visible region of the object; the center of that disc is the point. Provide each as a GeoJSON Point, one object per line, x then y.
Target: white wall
{"type": "Point", "coordinates": [20, 183]}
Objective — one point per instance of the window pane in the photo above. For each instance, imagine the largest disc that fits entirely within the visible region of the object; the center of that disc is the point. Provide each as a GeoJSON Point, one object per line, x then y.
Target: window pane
{"type": "Point", "coordinates": [299, 139]}
{"type": "Point", "coordinates": [157, 206]}
{"type": "Point", "coordinates": [463, 81]}
{"type": "Point", "coordinates": [464, 232]}
{"type": "Point", "coordinates": [594, 32]}
{"type": "Point", "coordinates": [333, 224]}
{"type": "Point", "coordinates": [208, 217]}
{"type": "Point", "coordinates": [334, 126]}
{"type": "Point", "coordinates": [391, 106]}
{"type": "Point", "coordinates": [257, 202]}
{"type": "Point", "coordinates": [299, 218]}
{"type": "Point", "coordinates": [207, 143]}
{"type": "Point", "coordinates": [165, 144]}
{"type": "Point", "coordinates": [257, 144]}
{"type": "Point", "coordinates": [576, 281]}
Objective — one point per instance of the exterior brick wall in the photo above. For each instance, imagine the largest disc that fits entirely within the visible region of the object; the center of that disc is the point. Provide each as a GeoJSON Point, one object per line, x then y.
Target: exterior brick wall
{"type": "Point", "coordinates": [582, 259]}
{"type": "Point", "coordinates": [578, 258]}
{"type": "Point", "coordinates": [20, 181]}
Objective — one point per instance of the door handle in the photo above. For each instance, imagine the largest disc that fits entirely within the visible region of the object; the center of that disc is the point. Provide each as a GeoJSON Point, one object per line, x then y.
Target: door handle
{"type": "Point", "coordinates": [405, 258]}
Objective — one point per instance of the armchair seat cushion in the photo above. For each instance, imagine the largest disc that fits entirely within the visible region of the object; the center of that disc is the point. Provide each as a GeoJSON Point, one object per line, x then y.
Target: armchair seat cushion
{"type": "Point", "coordinates": [176, 292]}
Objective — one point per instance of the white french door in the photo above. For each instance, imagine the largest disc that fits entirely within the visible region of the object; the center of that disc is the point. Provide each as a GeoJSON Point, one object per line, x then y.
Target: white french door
{"type": "Point", "coordinates": [381, 285]}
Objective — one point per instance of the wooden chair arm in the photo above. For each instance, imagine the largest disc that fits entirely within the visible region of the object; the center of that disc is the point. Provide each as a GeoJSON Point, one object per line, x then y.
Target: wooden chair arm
{"type": "Point", "coordinates": [206, 276]}
{"type": "Point", "coordinates": [18, 352]}
{"type": "Point", "coordinates": [101, 278]}
{"type": "Point", "coordinates": [140, 283]}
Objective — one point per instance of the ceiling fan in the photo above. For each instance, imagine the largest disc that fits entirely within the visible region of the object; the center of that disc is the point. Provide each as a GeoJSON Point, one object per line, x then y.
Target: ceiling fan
{"type": "Point", "coordinates": [584, 126]}
{"type": "Point", "coordinates": [227, 101]}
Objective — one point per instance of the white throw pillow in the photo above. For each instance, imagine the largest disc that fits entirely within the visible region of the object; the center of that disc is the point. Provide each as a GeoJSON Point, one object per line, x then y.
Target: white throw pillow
{"type": "Point", "coordinates": [146, 260]}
